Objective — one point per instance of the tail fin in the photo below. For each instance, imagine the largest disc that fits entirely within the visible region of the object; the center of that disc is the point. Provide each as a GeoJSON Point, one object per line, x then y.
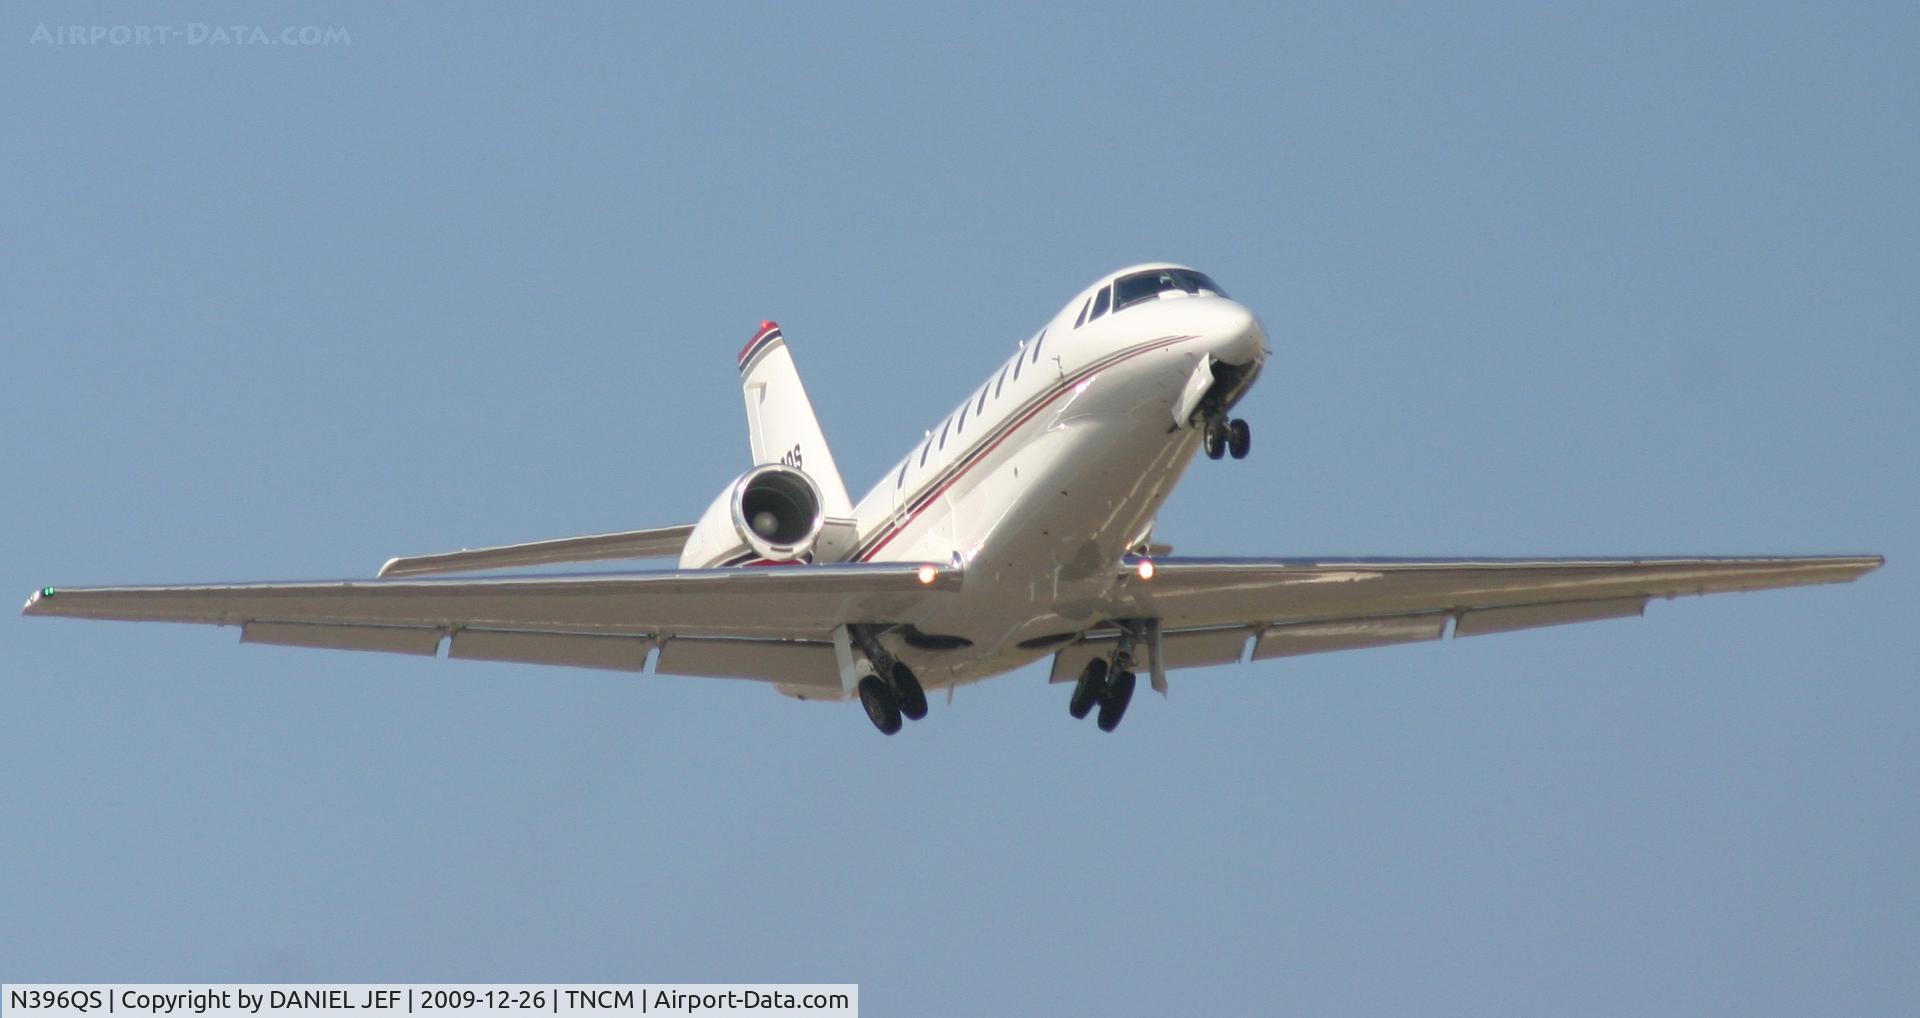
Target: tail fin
{"type": "Point", "coordinates": [781, 426]}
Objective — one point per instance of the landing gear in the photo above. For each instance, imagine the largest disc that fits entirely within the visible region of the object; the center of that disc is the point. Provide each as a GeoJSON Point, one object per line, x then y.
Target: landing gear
{"type": "Point", "coordinates": [1224, 437]}
{"type": "Point", "coordinates": [892, 693]}
{"type": "Point", "coordinates": [1108, 682]}
{"type": "Point", "coordinates": [1086, 692]}
{"type": "Point", "coordinates": [882, 704]}
{"type": "Point", "coordinates": [1114, 700]}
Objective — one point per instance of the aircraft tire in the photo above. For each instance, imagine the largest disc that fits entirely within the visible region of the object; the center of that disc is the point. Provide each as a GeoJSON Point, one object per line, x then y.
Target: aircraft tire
{"type": "Point", "coordinates": [912, 696]}
{"type": "Point", "coordinates": [1087, 690]}
{"type": "Point", "coordinates": [1114, 700]}
{"type": "Point", "coordinates": [883, 707]}
{"type": "Point", "coordinates": [1239, 439]}
{"type": "Point", "coordinates": [1215, 442]}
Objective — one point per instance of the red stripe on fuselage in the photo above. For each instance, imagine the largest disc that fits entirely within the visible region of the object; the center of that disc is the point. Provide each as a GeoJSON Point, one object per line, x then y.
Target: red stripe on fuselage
{"type": "Point", "coordinates": [1009, 431]}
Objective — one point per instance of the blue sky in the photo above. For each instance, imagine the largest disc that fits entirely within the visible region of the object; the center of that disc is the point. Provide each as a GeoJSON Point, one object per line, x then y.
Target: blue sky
{"type": "Point", "coordinates": [1610, 280]}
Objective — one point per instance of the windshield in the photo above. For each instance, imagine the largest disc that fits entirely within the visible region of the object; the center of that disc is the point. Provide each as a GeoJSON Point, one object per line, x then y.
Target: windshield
{"type": "Point", "coordinates": [1132, 289]}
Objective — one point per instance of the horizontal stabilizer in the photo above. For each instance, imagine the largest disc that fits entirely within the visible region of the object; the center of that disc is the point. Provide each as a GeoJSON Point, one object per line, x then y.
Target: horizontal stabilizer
{"type": "Point", "coordinates": [663, 542]}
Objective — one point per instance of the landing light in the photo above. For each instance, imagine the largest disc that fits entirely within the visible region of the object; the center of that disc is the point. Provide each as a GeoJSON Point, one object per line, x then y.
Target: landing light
{"type": "Point", "coordinates": [927, 573]}
{"type": "Point", "coordinates": [1146, 569]}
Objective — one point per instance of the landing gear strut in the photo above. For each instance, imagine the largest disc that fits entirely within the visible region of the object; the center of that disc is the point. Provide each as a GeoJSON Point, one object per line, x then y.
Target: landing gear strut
{"type": "Point", "coordinates": [890, 698]}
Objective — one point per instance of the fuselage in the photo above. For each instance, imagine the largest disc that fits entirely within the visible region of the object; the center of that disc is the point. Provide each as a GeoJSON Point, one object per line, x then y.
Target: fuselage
{"type": "Point", "coordinates": [1055, 467]}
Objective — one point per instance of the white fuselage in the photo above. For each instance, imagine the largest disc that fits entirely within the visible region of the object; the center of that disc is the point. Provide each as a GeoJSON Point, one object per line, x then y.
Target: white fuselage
{"type": "Point", "coordinates": [1049, 474]}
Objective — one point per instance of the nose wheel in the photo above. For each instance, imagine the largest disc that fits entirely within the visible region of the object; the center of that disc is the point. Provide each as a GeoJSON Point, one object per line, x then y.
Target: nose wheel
{"type": "Point", "coordinates": [1224, 438]}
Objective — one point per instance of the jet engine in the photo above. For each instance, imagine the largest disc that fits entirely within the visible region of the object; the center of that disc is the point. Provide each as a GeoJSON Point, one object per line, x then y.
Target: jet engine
{"type": "Point", "coordinates": [771, 512]}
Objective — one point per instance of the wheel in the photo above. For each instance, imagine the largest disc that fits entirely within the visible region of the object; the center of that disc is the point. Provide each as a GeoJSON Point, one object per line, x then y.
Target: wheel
{"type": "Point", "coordinates": [883, 708]}
{"type": "Point", "coordinates": [1093, 679]}
{"type": "Point", "coordinates": [1216, 443]}
{"type": "Point", "coordinates": [913, 699]}
{"type": "Point", "coordinates": [1114, 700]}
{"type": "Point", "coordinates": [1239, 439]}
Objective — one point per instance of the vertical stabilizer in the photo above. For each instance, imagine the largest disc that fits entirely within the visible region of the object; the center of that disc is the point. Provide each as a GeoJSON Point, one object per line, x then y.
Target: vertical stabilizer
{"type": "Point", "coordinates": [781, 427]}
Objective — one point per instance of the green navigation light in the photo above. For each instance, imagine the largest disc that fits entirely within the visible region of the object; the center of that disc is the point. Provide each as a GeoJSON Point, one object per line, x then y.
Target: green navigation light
{"type": "Point", "coordinates": [47, 592]}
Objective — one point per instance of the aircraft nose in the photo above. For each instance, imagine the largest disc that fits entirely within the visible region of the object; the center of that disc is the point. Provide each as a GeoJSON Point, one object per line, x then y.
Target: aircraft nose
{"type": "Point", "coordinates": [1231, 332]}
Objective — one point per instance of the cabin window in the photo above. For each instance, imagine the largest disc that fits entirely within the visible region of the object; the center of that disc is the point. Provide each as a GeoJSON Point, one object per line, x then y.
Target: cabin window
{"type": "Point", "coordinates": [962, 425]}
{"type": "Point", "coordinates": [981, 407]}
{"type": "Point", "coordinates": [925, 449]}
{"type": "Point", "coordinates": [901, 481]}
{"type": "Point", "coordinates": [1002, 382]}
{"type": "Point", "coordinates": [1037, 340]}
{"type": "Point", "coordinates": [944, 428]}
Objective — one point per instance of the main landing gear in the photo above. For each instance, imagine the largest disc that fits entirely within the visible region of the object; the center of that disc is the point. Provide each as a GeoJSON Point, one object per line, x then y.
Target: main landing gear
{"type": "Point", "coordinates": [1225, 437]}
{"type": "Point", "coordinates": [1109, 686]}
{"type": "Point", "coordinates": [889, 700]}
{"type": "Point", "coordinates": [898, 695]}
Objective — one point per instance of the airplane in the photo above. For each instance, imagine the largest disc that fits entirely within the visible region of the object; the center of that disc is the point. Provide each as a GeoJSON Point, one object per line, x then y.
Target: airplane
{"type": "Point", "coordinates": [1021, 526]}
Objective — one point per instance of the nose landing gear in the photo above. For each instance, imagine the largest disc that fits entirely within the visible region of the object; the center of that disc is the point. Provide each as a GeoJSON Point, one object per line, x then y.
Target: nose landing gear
{"type": "Point", "coordinates": [1224, 437]}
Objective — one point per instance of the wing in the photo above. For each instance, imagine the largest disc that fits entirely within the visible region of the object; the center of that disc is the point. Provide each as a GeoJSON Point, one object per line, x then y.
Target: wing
{"type": "Point", "coordinates": [1210, 608]}
{"type": "Point", "coordinates": [772, 623]}
{"type": "Point", "coordinates": [663, 542]}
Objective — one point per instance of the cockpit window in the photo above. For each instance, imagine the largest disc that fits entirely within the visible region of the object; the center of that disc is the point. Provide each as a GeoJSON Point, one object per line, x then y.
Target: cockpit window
{"type": "Point", "coordinates": [1100, 304]}
{"type": "Point", "coordinates": [1143, 286]}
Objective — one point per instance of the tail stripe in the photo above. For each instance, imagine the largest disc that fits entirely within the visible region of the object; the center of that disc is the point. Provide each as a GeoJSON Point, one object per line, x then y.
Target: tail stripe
{"type": "Point", "coordinates": [766, 339]}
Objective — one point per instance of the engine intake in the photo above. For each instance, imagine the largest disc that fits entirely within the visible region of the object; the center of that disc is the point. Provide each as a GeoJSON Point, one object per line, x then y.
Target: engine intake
{"type": "Point", "coordinates": [776, 510]}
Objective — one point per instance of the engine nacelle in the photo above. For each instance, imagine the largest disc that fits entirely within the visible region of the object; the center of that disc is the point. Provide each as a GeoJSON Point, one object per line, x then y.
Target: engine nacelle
{"type": "Point", "coordinates": [771, 512]}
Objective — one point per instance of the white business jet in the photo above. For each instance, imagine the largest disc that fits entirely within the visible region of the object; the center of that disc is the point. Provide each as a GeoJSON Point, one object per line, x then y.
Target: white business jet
{"type": "Point", "coordinates": [1020, 527]}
